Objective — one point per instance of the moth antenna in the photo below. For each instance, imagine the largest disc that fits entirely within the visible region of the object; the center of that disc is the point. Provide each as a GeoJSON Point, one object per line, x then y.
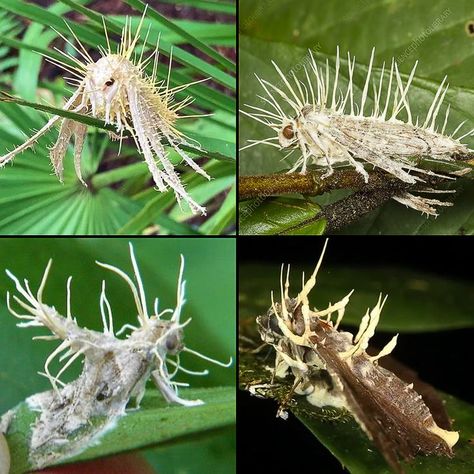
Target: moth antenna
{"type": "Point", "coordinates": [213, 361]}
{"type": "Point", "coordinates": [309, 285]}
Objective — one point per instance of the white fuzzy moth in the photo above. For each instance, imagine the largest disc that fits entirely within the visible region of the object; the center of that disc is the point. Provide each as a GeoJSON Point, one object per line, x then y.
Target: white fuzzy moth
{"type": "Point", "coordinates": [73, 415]}
{"type": "Point", "coordinates": [332, 368]}
{"type": "Point", "coordinates": [116, 89]}
{"type": "Point", "coordinates": [327, 126]}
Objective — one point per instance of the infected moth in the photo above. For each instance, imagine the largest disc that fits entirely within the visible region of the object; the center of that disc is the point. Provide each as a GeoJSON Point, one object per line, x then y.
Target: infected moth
{"type": "Point", "coordinates": [116, 89]}
{"type": "Point", "coordinates": [74, 415]}
{"type": "Point", "coordinates": [332, 368]}
{"type": "Point", "coordinates": [327, 126]}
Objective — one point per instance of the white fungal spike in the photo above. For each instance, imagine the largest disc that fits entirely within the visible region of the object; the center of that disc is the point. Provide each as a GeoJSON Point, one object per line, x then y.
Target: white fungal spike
{"type": "Point", "coordinates": [118, 91]}
{"type": "Point", "coordinates": [326, 131]}
{"type": "Point", "coordinates": [114, 369]}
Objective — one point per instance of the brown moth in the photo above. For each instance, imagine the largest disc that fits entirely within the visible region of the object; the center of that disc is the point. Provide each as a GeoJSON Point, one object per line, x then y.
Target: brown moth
{"type": "Point", "coordinates": [332, 368]}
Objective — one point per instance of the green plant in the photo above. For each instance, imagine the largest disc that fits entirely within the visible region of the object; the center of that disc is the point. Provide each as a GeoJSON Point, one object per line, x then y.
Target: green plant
{"type": "Point", "coordinates": [119, 197]}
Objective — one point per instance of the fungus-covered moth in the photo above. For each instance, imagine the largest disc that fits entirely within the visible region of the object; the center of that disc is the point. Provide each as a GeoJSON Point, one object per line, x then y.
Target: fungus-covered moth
{"type": "Point", "coordinates": [74, 415]}
{"type": "Point", "coordinates": [332, 368]}
{"type": "Point", "coordinates": [327, 126]}
{"type": "Point", "coordinates": [116, 89]}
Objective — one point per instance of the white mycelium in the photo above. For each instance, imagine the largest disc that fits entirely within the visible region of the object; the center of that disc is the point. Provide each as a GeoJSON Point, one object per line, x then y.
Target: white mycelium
{"type": "Point", "coordinates": [327, 126]}
{"type": "Point", "coordinates": [116, 89]}
{"type": "Point", "coordinates": [115, 370]}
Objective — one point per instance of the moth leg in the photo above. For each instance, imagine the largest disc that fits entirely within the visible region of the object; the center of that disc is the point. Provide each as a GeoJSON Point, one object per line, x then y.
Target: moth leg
{"type": "Point", "coordinates": [358, 166]}
{"type": "Point", "coordinates": [34, 138]}
{"type": "Point", "coordinates": [281, 413]}
{"type": "Point", "coordinates": [80, 132]}
{"type": "Point", "coordinates": [169, 394]}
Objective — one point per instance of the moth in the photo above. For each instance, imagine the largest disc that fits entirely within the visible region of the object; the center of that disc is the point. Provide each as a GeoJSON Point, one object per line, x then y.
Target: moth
{"type": "Point", "coordinates": [327, 126]}
{"type": "Point", "coordinates": [74, 415]}
{"type": "Point", "coordinates": [332, 368]}
{"type": "Point", "coordinates": [116, 89]}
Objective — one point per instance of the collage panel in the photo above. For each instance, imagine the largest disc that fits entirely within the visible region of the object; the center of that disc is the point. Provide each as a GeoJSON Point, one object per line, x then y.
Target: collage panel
{"type": "Point", "coordinates": [353, 357]}
{"type": "Point", "coordinates": [117, 346]}
{"type": "Point", "coordinates": [355, 117]}
{"type": "Point", "coordinates": [117, 117]}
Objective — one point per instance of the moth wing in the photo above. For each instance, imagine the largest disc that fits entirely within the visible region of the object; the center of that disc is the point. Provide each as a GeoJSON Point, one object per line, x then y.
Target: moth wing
{"type": "Point", "coordinates": [358, 147]}
{"type": "Point", "coordinates": [388, 410]}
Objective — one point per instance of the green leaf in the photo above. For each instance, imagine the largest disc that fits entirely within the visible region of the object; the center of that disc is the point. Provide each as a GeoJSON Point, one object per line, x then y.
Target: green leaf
{"type": "Point", "coordinates": [435, 35]}
{"type": "Point", "coordinates": [211, 5]}
{"type": "Point", "coordinates": [339, 432]}
{"type": "Point", "coordinates": [132, 431]}
{"type": "Point", "coordinates": [417, 302]}
{"type": "Point", "coordinates": [280, 216]}
{"type": "Point", "coordinates": [180, 55]}
{"type": "Point", "coordinates": [223, 217]}
{"type": "Point", "coordinates": [222, 60]}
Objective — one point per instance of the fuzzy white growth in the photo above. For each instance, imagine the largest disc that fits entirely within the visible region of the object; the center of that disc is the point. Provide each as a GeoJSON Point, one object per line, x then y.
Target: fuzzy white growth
{"type": "Point", "coordinates": [330, 127]}
{"type": "Point", "coordinates": [154, 335]}
{"type": "Point", "coordinates": [117, 90]}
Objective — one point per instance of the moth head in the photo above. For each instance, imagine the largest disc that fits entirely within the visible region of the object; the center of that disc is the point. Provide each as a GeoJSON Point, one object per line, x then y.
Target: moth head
{"type": "Point", "coordinates": [103, 85]}
{"type": "Point", "coordinates": [268, 327]}
{"type": "Point", "coordinates": [287, 135]}
{"type": "Point", "coordinates": [173, 341]}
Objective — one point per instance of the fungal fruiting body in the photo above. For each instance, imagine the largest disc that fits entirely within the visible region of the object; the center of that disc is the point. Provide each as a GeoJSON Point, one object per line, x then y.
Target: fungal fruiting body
{"type": "Point", "coordinates": [327, 126]}
{"type": "Point", "coordinates": [117, 90]}
{"type": "Point", "coordinates": [331, 367]}
{"type": "Point", "coordinates": [75, 414]}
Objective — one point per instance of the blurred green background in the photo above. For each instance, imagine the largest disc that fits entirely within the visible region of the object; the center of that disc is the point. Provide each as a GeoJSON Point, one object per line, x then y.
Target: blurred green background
{"type": "Point", "coordinates": [210, 294]}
